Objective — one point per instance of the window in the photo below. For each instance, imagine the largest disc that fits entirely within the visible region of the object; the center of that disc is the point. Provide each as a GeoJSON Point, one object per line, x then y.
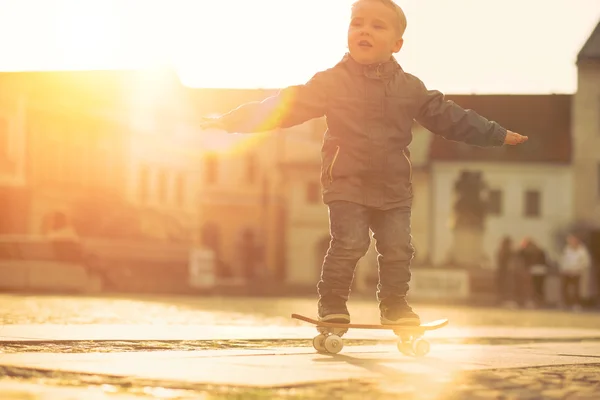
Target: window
{"type": "Point", "coordinates": [532, 203]}
{"type": "Point", "coordinates": [494, 205]}
{"type": "Point", "coordinates": [143, 185]}
{"type": "Point", "coordinates": [210, 237]}
{"type": "Point", "coordinates": [312, 193]}
{"type": "Point", "coordinates": [211, 169]}
{"type": "Point", "coordinates": [3, 140]}
{"type": "Point", "coordinates": [162, 186]}
{"type": "Point", "coordinates": [179, 189]}
{"type": "Point", "coordinates": [265, 192]}
{"type": "Point", "coordinates": [251, 168]}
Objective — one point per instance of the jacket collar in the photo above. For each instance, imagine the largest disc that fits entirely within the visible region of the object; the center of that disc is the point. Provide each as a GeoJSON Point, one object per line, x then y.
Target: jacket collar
{"type": "Point", "coordinates": [384, 70]}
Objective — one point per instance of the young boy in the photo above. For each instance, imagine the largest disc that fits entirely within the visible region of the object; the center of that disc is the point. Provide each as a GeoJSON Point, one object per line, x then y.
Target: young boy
{"type": "Point", "coordinates": [370, 104]}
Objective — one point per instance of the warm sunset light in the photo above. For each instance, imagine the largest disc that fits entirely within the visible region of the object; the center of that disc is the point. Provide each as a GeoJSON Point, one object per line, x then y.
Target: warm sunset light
{"type": "Point", "coordinates": [285, 199]}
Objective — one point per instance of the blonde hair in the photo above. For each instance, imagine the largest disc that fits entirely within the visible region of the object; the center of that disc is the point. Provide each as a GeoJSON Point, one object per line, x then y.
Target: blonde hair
{"type": "Point", "coordinates": [401, 17]}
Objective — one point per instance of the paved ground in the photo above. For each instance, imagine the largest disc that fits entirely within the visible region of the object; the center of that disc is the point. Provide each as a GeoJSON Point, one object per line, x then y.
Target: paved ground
{"type": "Point", "coordinates": [172, 310]}
{"type": "Point", "coordinates": [283, 367]}
{"type": "Point", "coordinates": [550, 370]}
{"type": "Point", "coordinates": [58, 347]}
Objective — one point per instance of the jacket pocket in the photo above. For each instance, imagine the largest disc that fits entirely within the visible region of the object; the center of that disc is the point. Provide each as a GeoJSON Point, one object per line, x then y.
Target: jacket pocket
{"type": "Point", "coordinates": [335, 156]}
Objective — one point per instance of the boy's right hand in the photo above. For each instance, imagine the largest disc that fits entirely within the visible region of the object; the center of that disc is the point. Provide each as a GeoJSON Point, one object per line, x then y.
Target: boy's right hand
{"type": "Point", "coordinates": [211, 123]}
{"type": "Point", "coordinates": [513, 138]}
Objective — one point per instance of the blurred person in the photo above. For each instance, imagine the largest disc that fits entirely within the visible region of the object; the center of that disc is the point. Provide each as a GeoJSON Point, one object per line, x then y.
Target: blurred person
{"type": "Point", "coordinates": [63, 236]}
{"type": "Point", "coordinates": [522, 274]}
{"type": "Point", "coordinates": [503, 271]}
{"type": "Point", "coordinates": [249, 256]}
{"type": "Point", "coordinates": [538, 269]}
{"type": "Point", "coordinates": [370, 103]}
{"type": "Point", "coordinates": [531, 275]}
{"type": "Point", "coordinates": [575, 268]}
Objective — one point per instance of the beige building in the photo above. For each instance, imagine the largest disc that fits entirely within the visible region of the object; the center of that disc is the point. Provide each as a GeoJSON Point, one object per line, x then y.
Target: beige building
{"type": "Point", "coordinates": [162, 160]}
{"type": "Point", "coordinates": [586, 149]}
{"type": "Point", "coordinates": [236, 189]}
{"type": "Point", "coordinates": [12, 139]}
{"type": "Point", "coordinates": [65, 130]}
{"type": "Point", "coordinates": [529, 188]}
{"type": "Point", "coordinates": [586, 132]}
{"type": "Point", "coordinates": [13, 162]}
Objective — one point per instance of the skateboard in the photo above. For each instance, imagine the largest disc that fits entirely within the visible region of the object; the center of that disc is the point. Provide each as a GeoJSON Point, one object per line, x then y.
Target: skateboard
{"type": "Point", "coordinates": [410, 337]}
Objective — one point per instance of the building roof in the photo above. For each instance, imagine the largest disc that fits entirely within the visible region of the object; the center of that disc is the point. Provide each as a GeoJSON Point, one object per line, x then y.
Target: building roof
{"type": "Point", "coordinates": [591, 48]}
{"type": "Point", "coordinates": [545, 119]}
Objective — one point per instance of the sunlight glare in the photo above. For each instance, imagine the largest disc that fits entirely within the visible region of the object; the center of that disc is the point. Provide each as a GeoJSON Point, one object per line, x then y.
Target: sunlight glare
{"type": "Point", "coordinates": [464, 46]}
{"type": "Point", "coordinates": [236, 44]}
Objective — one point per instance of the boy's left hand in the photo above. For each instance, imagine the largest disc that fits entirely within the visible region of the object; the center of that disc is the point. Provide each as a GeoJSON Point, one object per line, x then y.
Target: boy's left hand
{"type": "Point", "coordinates": [211, 123]}
{"type": "Point", "coordinates": [513, 138]}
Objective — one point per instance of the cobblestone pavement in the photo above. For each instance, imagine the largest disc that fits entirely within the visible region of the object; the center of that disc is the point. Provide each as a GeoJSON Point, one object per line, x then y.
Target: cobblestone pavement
{"type": "Point", "coordinates": [563, 382]}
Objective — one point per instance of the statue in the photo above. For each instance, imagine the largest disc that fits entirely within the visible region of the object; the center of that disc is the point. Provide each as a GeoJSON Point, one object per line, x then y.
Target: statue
{"type": "Point", "coordinates": [470, 207]}
{"type": "Point", "coordinates": [469, 221]}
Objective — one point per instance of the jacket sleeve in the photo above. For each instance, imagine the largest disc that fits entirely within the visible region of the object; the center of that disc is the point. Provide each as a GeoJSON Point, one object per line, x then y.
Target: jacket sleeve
{"type": "Point", "coordinates": [293, 105]}
{"type": "Point", "coordinates": [445, 118]}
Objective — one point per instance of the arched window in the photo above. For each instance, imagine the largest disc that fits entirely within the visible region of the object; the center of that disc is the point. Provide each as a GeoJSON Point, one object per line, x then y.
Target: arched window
{"type": "Point", "coordinates": [211, 237]}
{"type": "Point", "coordinates": [250, 253]}
{"type": "Point", "coordinates": [3, 141]}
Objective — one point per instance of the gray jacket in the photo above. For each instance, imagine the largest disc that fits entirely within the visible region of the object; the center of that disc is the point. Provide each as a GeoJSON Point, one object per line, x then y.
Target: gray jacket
{"type": "Point", "coordinates": [369, 112]}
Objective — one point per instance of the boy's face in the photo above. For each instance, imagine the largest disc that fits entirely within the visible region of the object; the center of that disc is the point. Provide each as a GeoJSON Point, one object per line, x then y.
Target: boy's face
{"type": "Point", "coordinates": [372, 35]}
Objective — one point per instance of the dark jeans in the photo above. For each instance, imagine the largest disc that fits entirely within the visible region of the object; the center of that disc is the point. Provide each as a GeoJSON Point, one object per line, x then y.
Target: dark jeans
{"type": "Point", "coordinates": [503, 275]}
{"type": "Point", "coordinates": [539, 289]}
{"type": "Point", "coordinates": [349, 227]}
{"type": "Point", "coordinates": [570, 290]}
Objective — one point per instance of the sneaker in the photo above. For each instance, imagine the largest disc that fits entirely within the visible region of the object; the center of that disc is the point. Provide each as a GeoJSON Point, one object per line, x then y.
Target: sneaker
{"type": "Point", "coordinates": [396, 311]}
{"type": "Point", "coordinates": [333, 309]}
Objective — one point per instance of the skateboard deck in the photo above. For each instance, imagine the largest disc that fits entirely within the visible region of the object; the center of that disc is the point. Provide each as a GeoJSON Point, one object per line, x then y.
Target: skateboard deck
{"type": "Point", "coordinates": [410, 336]}
{"type": "Point", "coordinates": [428, 326]}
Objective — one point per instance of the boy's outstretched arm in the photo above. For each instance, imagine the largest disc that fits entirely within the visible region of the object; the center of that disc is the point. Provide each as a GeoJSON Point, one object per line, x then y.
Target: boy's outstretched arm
{"type": "Point", "coordinates": [447, 119]}
{"type": "Point", "coordinates": [291, 106]}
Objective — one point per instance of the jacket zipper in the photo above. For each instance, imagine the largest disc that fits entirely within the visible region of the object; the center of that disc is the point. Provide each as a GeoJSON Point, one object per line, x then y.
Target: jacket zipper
{"type": "Point", "coordinates": [409, 166]}
{"type": "Point", "coordinates": [337, 152]}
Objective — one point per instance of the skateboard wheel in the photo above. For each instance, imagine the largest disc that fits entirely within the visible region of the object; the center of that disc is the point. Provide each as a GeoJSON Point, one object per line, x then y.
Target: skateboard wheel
{"type": "Point", "coordinates": [319, 343]}
{"type": "Point", "coordinates": [333, 344]}
{"type": "Point", "coordinates": [405, 348]}
{"type": "Point", "coordinates": [421, 347]}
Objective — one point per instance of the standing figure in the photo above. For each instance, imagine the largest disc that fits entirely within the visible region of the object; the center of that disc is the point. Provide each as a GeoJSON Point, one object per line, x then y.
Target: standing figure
{"type": "Point", "coordinates": [370, 104]}
{"type": "Point", "coordinates": [503, 271]}
{"type": "Point", "coordinates": [575, 268]}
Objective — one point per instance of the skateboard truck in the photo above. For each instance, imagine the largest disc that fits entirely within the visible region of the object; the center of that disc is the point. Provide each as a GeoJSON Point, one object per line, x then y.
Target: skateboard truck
{"type": "Point", "coordinates": [410, 338]}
